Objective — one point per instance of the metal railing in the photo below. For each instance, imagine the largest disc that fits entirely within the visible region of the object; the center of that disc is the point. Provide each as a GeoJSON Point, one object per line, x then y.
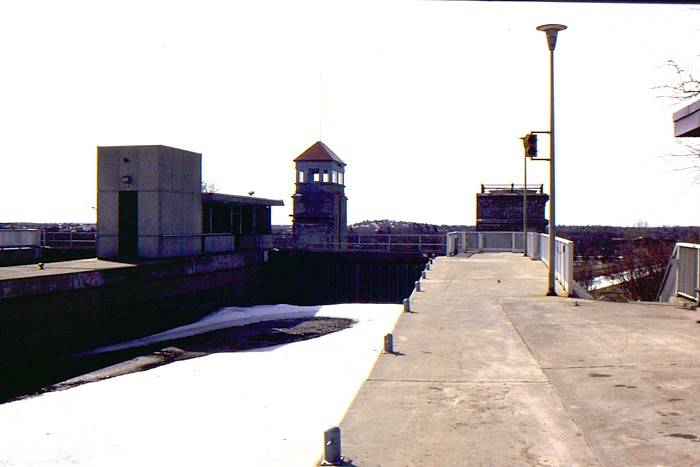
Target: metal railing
{"type": "Point", "coordinates": [70, 240]}
{"type": "Point", "coordinates": [682, 277]}
{"type": "Point", "coordinates": [405, 243]}
{"type": "Point", "coordinates": [537, 249]}
{"type": "Point", "coordinates": [513, 188]}
{"type": "Point", "coordinates": [464, 242]}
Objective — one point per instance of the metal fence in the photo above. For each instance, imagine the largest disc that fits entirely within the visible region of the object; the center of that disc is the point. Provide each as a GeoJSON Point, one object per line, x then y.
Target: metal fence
{"type": "Point", "coordinates": [70, 240]}
{"type": "Point", "coordinates": [464, 242]}
{"type": "Point", "coordinates": [406, 243]}
{"type": "Point", "coordinates": [537, 248]}
{"type": "Point", "coordinates": [682, 276]}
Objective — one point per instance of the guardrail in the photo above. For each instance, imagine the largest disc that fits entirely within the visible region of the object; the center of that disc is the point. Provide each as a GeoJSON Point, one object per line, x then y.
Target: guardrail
{"type": "Point", "coordinates": [70, 240]}
{"type": "Point", "coordinates": [682, 277]}
{"type": "Point", "coordinates": [537, 249]}
{"type": "Point", "coordinates": [419, 243]}
{"type": "Point", "coordinates": [464, 242]}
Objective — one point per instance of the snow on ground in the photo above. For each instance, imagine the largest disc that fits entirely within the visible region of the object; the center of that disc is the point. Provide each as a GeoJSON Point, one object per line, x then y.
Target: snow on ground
{"type": "Point", "coordinates": [264, 407]}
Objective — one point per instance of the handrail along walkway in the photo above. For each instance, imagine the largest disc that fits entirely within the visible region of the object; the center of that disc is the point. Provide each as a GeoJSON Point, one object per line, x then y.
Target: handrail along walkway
{"type": "Point", "coordinates": [537, 249]}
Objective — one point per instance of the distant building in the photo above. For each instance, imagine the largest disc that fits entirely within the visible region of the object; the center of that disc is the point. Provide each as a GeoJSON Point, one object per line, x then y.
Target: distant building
{"type": "Point", "coordinates": [150, 205]}
{"type": "Point", "coordinates": [320, 205]}
{"type": "Point", "coordinates": [499, 208]}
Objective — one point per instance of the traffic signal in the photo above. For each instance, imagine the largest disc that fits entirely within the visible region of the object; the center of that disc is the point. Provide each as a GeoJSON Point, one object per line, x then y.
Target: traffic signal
{"type": "Point", "coordinates": [530, 143]}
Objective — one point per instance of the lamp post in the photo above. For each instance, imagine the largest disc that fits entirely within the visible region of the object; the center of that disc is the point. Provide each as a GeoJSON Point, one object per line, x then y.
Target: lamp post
{"type": "Point", "coordinates": [551, 30]}
{"type": "Point", "coordinates": [525, 205]}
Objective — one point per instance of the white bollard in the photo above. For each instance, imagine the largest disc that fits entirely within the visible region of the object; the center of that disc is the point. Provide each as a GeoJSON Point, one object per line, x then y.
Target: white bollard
{"type": "Point", "coordinates": [418, 286]}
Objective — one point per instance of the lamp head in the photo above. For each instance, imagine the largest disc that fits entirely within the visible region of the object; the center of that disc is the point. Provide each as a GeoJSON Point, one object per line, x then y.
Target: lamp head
{"type": "Point", "coordinates": [551, 30]}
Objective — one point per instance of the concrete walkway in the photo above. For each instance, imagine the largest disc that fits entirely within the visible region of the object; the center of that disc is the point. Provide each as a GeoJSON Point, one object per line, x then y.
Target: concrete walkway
{"type": "Point", "coordinates": [61, 267]}
{"type": "Point", "coordinates": [492, 372]}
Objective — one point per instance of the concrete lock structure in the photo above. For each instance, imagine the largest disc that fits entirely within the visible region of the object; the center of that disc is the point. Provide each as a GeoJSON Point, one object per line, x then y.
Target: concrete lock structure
{"type": "Point", "coordinates": [150, 205]}
{"type": "Point", "coordinates": [320, 205]}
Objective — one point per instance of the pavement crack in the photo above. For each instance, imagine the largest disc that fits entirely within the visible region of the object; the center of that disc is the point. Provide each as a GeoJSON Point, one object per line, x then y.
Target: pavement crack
{"type": "Point", "coordinates": [624, 347]}
{"type": "Point", "coordinates": [555, 389]}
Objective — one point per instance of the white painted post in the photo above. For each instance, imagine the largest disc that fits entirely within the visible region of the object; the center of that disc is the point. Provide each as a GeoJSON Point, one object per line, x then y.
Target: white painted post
{"type": "Point", "coordinates": [697, 275]}
{"type": "Point", "coordinates": [677, 252]}
{"type": "Point", "coordinates": [512, 239]}
{"type": "Point", "coordinates": [570, 270]}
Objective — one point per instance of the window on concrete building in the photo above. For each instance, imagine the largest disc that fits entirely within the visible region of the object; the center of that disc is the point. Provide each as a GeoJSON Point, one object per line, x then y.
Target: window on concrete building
{"type": "Point", "coordinates": [326, 177]}
{"type": "Point", "coordinates": [317, 176]}
{"type": "Point", "coordinates": [341, 178]}
{"type": "Point", "coordinates": [334, 177]}
{"type": "Point", "coordinates": [300, 176]}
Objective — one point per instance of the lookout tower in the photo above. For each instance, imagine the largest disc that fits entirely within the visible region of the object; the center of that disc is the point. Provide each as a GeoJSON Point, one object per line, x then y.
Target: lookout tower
{"type": "Point", "coordinates": [320, 205]}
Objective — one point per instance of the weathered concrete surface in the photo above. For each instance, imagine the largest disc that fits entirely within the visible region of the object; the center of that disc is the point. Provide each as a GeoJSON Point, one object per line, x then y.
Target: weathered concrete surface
{"type": "Point", "coordinates": [64, 276]}
{"type": "Point", "coordinates": [492, 372]}
{"type": "Point", "coordinates": [73, 306]}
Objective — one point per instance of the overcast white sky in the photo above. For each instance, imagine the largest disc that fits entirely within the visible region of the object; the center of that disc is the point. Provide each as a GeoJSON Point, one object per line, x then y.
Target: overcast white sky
{"type": "Point", "coordinates": [423, 100]}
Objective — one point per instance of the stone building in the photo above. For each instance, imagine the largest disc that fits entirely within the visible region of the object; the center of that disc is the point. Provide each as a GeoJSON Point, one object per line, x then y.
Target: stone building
{"type": "Point", "coordinates": [499, 208]}
{"type": "Point", "coordinates": [320, 205]}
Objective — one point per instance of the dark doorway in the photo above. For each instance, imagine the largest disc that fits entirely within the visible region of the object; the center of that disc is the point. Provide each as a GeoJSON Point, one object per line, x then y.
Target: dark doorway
{"type": "Point", "coordinates": [128, 222]}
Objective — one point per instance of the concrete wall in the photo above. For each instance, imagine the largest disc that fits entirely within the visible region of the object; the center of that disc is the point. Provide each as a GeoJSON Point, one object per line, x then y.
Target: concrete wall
{"type": "Point", "coordinates": [20, 237]}
{"type": "Point", "coordinates": [318, 278]}
{"type": "Point", "coordinates": [168, 182]}
{"type": "Point", "coordinates": [45, 317]}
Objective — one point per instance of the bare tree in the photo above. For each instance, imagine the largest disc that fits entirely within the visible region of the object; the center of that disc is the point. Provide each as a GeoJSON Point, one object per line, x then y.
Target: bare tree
{"type": "Point", "coordinates": [641, 268]}
{"type": "Point", "coordinates": [684, 88]}
{"type": "Point", "coordinates": [586, 271]}
{"type": "Point", "coordinates": [209, 188]}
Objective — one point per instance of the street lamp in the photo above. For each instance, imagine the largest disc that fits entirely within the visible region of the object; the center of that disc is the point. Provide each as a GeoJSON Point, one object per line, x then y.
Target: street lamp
{"type": "Point", "coordinates": [551, 30]}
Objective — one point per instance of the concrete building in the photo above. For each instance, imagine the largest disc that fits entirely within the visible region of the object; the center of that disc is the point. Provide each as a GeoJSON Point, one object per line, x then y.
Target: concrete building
{"type": "Point", "coordinates": [686, 121]}
{"type": "Point", "coordinates": [320, 205]}
{"type": "Point", "coordinates": [499, 208]}
{"type": "Point", "coordinates": [148, 201]}
{"type": "Point", "coordinates": [150, 205]}
{"type": "Point", "coordinates": [243, 220]}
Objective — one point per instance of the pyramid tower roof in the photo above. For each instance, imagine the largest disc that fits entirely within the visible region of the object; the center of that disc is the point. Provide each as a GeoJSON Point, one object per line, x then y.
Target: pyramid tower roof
{"type": "Point", "coordinates": [319, 152]}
